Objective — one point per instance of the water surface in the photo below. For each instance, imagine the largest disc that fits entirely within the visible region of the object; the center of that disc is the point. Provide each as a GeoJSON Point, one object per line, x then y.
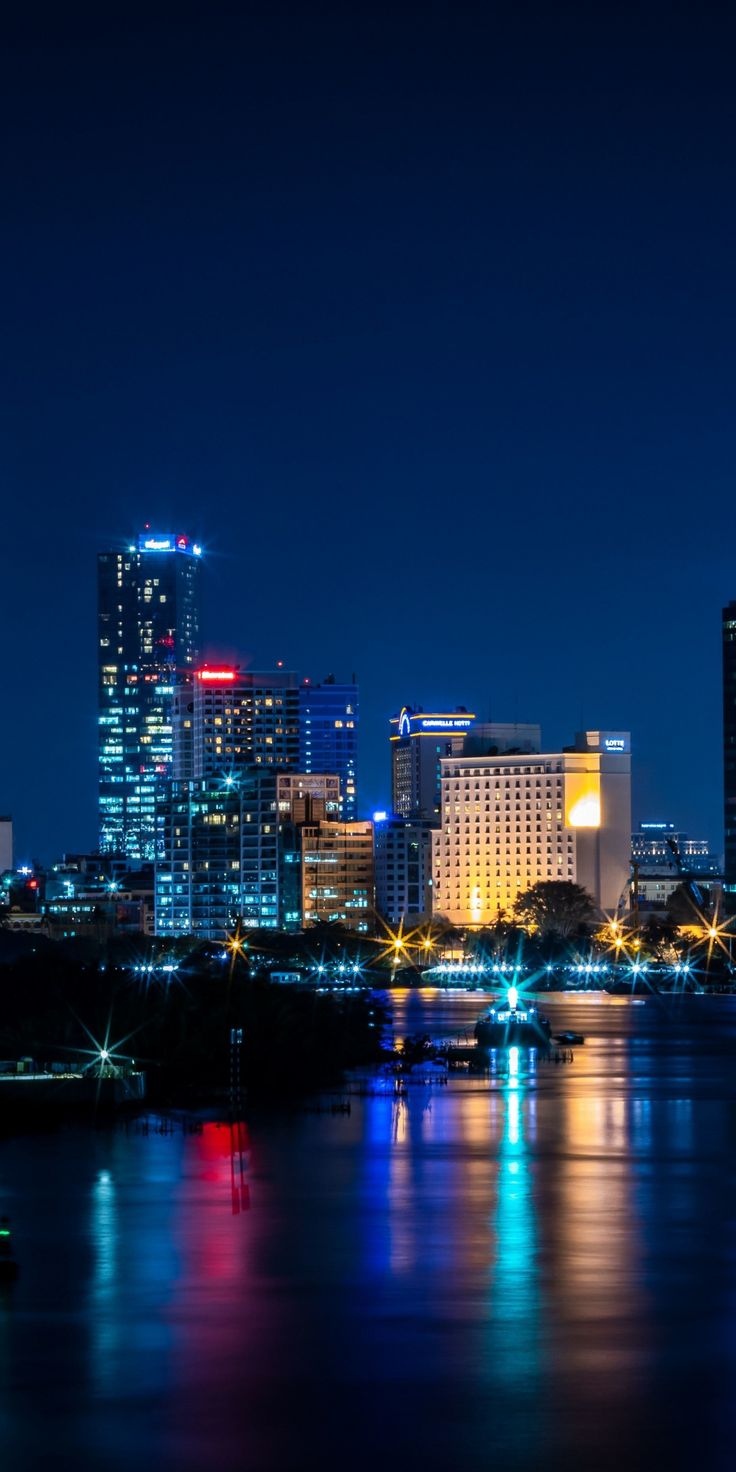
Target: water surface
{"type": "Point", "coordinates": [536, 1271]}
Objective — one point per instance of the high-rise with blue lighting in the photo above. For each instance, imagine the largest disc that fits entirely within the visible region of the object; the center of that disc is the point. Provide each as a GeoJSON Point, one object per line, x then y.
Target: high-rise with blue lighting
{"type": "Point", "coordinates": [728, 635]}
{"type": "Point", "coordinates": [328, 736]}
{"type": "Point", "coordinates": [148, 639]}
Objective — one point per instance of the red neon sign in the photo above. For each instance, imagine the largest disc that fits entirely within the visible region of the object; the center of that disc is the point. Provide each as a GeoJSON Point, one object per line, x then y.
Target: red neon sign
{"type": "Point", "coordinates": [215, 674]}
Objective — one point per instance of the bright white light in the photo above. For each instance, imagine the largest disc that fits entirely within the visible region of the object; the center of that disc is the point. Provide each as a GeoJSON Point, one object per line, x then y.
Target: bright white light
{"type": "Point", "coordinates": [512, 997]}
{"type": "Point", "coordinates": [586, 812]}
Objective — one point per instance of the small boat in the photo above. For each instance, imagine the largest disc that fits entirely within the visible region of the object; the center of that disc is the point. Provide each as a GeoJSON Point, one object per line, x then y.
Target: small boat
{"type": "Point", "coordinates": [568, 1038]}
{"type": "Point", "coordinates": [506, 1026]}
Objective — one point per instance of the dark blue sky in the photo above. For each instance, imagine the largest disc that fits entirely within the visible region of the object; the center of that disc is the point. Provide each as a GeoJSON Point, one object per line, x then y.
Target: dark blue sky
{"type": "Point", "coordinates": [422, 318]}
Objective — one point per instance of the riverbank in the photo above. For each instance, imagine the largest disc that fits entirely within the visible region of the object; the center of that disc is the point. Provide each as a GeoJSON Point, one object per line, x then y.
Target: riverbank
{"type": "Point", "coordinates": [177, 1027]}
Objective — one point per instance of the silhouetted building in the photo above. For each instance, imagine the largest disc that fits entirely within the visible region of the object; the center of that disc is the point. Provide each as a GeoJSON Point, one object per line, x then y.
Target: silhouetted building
{"type": "Point", "coordinates": [6, 844]}
{"type": "Point", "coordinates": [403, 865]}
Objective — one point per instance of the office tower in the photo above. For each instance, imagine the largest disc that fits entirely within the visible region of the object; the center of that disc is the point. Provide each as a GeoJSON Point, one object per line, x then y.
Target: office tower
{"type": "Point", "coordinates": [231, 718]}
{"type": "Point", "coordinates": [419, 740]}
{"type": "Point", "coordinates": [403, 863]}
{"type": "Point", "coordinates": [337, 874]}
{"type": "Point", "coordinates": [148, 621]}
{"type": "Point", "coordinates": [729, 755]}
{"type": "Point", "coordinates": [328, 736]}
{"type": "Point", "coordinates": [229, 850]}
{"type": "Point", "coordinates": [509, 821]}
{"type": "Point", "coordinates": [217, 860]}
{"type": "Point", "coordinates": [6, 844]}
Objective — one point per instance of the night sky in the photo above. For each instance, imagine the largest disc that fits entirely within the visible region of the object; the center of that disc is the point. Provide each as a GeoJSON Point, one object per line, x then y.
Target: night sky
{"type": "Point", "coordinates": [422, 318]}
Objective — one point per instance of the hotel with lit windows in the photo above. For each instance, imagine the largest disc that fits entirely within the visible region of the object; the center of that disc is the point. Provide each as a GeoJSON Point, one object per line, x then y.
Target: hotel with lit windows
{"type": "Point", "coordinates": [510, 820]}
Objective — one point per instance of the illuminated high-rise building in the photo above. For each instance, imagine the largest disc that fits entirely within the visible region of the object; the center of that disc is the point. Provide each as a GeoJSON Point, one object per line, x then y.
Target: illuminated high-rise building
{"type": "Point", "coordinates": [148, 641]}
{"type": "Point", "coordinates": [230, 718]}
{"type": "Point", "coordinates": [229, 850]}
{"type": "Point", "coordinates": [217, 856]}
{"type": "Point", "coordinates": [337, 874]}
{"type": "Point", "coordinates": [420, 740]}
{"type": "Point", "coordinates": [511, 820]}
{"type": "Point", "coordinates": [729, 755]}
{"type": "Point", "coordinates": [328, 736]}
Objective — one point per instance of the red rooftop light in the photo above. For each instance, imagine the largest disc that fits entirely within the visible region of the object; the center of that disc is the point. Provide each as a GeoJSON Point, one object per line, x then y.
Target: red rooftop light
{"type": "Point", "coordinates": [218, 675]}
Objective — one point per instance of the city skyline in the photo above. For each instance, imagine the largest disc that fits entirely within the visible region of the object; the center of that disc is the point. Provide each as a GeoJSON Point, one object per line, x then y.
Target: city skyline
{"type": "Point", "coordinates": [374, 761]}
{"type": "Point", "coordinates": [438, 377]}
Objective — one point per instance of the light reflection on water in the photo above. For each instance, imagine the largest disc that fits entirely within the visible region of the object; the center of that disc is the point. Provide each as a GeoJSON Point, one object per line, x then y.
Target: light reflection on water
{"type": "Point", "coordinates": [537, 1270]}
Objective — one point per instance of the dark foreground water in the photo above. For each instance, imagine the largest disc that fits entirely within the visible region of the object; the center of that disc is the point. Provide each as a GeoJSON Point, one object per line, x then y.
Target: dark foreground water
{"type": "Point", "coordinates": [537, 1272]}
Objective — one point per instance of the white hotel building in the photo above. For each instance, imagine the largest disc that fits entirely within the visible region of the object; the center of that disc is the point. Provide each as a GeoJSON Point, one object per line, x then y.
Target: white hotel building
{"type": "Point", "coordinates": [508, 821]}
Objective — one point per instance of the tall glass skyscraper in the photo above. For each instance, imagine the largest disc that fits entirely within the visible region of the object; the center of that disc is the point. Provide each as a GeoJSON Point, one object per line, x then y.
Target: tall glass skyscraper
{"type": "Point", "coordinates": [328, 737]}
{"type": "Point", "coordinates": [729, 755]}
{"type": "Point", "coordinates": [148, 643]}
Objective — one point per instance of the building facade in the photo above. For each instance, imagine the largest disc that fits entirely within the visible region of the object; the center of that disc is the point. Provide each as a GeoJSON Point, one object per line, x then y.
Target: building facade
{"type": "Point", "coordinates": [217, 856]}
{"type": "Point", "coordinates": [651, 847]}
{"type": "Point", "coordinates": [729, 754]}
{"type": "Point", "coordinates": [337, 874]}
{"type": "Point", "coordinates": [403, 864]}
{"type": "Point", "coordinates": [6, 844]}
{"type": "Point", "coordinates": [419, 741]}
{"type": "Point", "coordinates": [302, 799]}
{"type": "Point", "coordinates": [230, 850]}
{"type": "Point", "coordinates": [148, 640]}
{"type": "Point", "coordinates": [328, 736]}
{"type": "Point", "coordinates": [509, 821]}
{"type": "Point", "coordinates": [229, 718]}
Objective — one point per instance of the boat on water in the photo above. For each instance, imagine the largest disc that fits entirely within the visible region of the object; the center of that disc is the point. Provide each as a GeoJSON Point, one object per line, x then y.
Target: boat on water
{"type": "Point", "coordinates": [568, 1038]}
{"type": "Point", "coordinates": [509, 1024]}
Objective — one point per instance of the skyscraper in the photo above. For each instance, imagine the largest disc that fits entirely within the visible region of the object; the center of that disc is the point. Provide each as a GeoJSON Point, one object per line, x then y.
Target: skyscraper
{"type": "Point", "coordinates": [419, 741]}
{"type": "Point", "coordinates": [231, 718]}
{"type": "Point", "coordinates": [729, 754]}
{"type": "Point", "coordinates": [328, 736]}
{"type": "Point", "coordinates": [148, 637]}
{"type": "Point", "coordinates": [217, 860]}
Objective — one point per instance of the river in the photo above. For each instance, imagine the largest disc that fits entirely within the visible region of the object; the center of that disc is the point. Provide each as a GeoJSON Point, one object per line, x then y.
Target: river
{"type": "Point", "coordinates": [536, 1271]}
